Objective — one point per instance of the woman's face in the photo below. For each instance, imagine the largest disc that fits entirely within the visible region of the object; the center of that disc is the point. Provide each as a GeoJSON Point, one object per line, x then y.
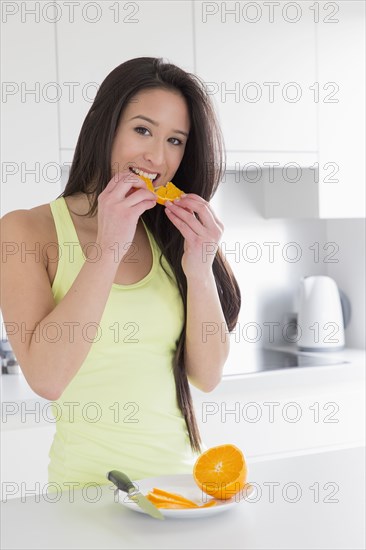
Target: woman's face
{"type": "Point", "coordinates": [152, 134]}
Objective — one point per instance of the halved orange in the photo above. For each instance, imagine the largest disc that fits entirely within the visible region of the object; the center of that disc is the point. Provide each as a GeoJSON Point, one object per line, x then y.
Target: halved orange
{"type": "Point", "coordinates": [169, 192]}
{"type": "Point", "coordinates": [221, 471]}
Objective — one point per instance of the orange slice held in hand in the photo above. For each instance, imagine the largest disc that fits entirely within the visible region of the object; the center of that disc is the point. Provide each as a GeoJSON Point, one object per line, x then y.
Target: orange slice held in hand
{"type": "Point", "coordinates": [169, 192]}
{"type": "Point", "coordinates": [221, 472]}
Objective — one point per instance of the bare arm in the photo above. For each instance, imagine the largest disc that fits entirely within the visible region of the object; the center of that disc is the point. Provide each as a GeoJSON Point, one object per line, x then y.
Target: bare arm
{"type": "Point", "coordinates": [48, 339]}
{"type": "Point", "coordinates": [207, 336]}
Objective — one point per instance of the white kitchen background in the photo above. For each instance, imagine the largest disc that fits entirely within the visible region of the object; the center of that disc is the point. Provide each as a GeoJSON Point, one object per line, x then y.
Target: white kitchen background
{"type": "Point", "coordinates": [287, 80]}
{"type": "Point", "coordinates": [55, 55]}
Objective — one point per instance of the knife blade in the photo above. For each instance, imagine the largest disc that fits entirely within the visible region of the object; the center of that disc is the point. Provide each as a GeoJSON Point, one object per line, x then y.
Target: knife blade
{"type": "Point", "coordinates": [123, 483]}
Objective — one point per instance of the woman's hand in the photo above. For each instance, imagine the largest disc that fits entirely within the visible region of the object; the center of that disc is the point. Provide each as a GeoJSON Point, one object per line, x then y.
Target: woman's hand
{"type": "Point", "coordinates": [120, 205]}
{"type": "Point", "coordinates": [201, 236]}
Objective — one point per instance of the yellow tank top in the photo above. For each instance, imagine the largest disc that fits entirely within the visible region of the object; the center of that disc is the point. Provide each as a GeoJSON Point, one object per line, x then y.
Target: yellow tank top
{"type": "Point", "coordinates": [120, 410]}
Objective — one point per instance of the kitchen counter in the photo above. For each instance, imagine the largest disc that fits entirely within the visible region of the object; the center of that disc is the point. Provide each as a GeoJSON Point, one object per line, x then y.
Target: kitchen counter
{"type": "Point", "coordinates": [19, 400]}
{"type": "Point", "coordinates": [251, 361]}
{"type": "Point", "coordinates": [268, 413]}
{"type": "Point", "coordinates": [15, 388]}
{"type": "Point", "coordinates": [316, 502]}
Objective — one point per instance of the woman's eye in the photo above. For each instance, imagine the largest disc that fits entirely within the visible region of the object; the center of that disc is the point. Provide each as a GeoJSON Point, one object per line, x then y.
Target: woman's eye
{"type": "Point", "coordinates": [141, 128]}
{"type": "Point", "coordinates": [178, 140]}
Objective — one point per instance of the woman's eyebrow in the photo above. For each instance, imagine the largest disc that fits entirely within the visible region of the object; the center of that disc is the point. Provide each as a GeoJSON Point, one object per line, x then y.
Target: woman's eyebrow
{"type": "Point", "coordinates": [157, 124]}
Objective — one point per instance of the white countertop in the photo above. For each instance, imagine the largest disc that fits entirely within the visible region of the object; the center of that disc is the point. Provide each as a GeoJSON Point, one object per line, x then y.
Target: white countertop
{"type": "Point", "coordinates": [17, 398]}
{"type": "Point", "coordinates": [240, 356]}
{"type": "Point", "coordinates": [15, 388]}
{"type": "Point", "coordinates": [328, 513]}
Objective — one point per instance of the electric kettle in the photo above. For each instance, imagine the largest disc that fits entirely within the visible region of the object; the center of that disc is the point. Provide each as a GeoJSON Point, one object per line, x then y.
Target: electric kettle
{"type": "Point", "coordinates": [324, 312]}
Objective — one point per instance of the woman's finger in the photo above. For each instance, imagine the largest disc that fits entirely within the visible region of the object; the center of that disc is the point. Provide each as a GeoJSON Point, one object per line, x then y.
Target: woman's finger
{"type": "Point", "coordinates": [123, 182]}
{"type": "Point", "coordinates": [204, 213]}
{"type": "Point", "coordinates": [183, 201]}
{"type": "Point", "coordinates": [186, 217]}
{"type": "Point", "coordinates": [185, 229]}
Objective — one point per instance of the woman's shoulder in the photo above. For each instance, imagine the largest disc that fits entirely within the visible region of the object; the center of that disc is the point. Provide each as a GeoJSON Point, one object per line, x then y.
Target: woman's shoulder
{"type": "Point", "coordinates": [28, 227]}
{"type": "Point", "coordinates": [36, 219]}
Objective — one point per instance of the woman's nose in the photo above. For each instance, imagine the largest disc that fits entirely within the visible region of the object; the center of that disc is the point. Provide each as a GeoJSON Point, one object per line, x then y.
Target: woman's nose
{"type": "Point", "coordinates": [155, 154]}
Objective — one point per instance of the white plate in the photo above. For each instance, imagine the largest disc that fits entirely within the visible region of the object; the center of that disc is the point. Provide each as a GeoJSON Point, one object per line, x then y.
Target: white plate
{"type": "Point", "coordinates": [184, 485]}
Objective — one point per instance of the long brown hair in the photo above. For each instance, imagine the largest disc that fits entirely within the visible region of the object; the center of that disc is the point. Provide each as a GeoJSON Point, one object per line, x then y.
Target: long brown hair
{"type": "Point", "coordinates": [200, 172]}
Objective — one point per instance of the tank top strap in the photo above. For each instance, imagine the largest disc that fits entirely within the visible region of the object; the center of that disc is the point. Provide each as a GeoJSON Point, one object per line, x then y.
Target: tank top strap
{"type": "Point", "coordinates": [70, 257]}
{"type": "Point", "coordinates": [64, 225]}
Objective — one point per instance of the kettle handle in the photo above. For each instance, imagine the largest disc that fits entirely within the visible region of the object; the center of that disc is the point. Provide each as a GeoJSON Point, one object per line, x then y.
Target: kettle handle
{"type": "Point", "coordinates": [346, 307]}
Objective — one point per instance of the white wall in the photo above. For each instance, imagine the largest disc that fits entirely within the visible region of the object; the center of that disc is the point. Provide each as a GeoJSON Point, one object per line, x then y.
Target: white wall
{"type": "Point", "coordinates": [349, 272]}
{"type": "Point", "coordinates": [269, 284]}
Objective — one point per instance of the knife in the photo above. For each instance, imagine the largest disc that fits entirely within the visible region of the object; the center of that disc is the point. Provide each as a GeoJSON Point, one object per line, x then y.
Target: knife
{"type": "Point", "coordinates": [123, 483]}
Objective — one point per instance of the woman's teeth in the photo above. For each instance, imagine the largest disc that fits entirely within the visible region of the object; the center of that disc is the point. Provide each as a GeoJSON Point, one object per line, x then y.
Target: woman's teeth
{"type": "Point", "coordinates": [151, 177]}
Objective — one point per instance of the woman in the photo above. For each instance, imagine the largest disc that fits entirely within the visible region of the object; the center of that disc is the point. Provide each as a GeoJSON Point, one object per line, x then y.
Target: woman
{"type": "Point", "coordinates": [138, 297]}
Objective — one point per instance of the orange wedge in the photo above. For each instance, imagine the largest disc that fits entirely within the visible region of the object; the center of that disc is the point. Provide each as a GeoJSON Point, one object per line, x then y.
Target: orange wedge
{"type": "Point", "coordinates": [172, 505]}
{"type": "Point", "coordinates": [157, 499]}
{"type": "Point", "coordinates": [164, 499]}
{"type": "Point", "coordinates": [209, 504]}
{"type": "Point", "coordinates": [221, 471]}
{"type": "Point", "coordinates": [169, 192]}
{"type": "Point", "coordinates": [165, 503]}
{"type": "Point", "coordinates": [160, 493]}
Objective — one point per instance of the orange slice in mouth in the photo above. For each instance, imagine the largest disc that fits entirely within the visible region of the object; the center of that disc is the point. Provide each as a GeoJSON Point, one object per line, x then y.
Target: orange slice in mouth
{"type": "Point", "coordinates": [164, 193]}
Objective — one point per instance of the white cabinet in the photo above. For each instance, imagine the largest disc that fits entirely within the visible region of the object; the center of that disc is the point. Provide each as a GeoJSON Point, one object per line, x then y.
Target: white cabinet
{"type": "Point", "coordinates": [334, 186]}
{"type": "Point", "coordinates": [27, 431]}
{"type": "Point", "coordinates": [258, 66]}
{"type": "Point", "coordinates": [29, 145]}
{"type": "Point", "coordinates": [105, 35]}
{"type": "Point", "coordinates": [285, 411]}
{"type": "Point", "coordinates": [288, 83]}
{"type": "Point", "coordinates": [24, 460]}
{"type": "Point", "coordinates": [341, 57]}
{"type": "Point", "coordinates": [286, 78]}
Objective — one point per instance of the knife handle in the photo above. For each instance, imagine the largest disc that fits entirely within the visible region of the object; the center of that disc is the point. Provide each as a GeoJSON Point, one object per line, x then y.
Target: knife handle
{"type": "Point", "coordinates": [121, 481]}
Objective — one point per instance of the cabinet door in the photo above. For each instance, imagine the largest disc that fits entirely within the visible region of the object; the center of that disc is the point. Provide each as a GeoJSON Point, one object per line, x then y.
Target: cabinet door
{"type": "Point", "coordinates": [24, 460]}
{"type": "Point", "coordinates": [342, 112]}
{"type": "Point", "coordinates": [105, 35]}
{"type": "Point", "coordinates": [258, 65]}
{"type": "Point", "coordinates": [30, 147]}
{"type": "Point", "coordinates": [263, 420]}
